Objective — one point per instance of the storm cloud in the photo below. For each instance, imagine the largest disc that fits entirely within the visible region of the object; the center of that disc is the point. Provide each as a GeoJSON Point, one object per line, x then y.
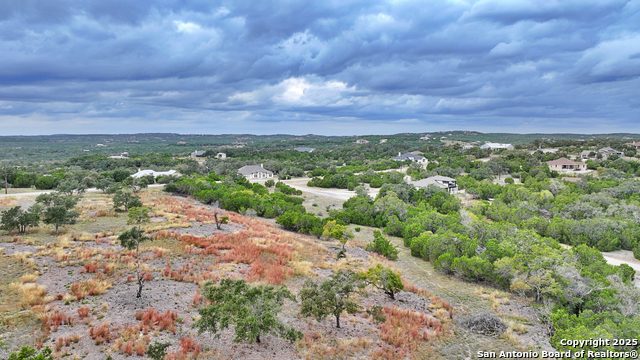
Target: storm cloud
{"type": "Point", "coordinates": [327, 67]}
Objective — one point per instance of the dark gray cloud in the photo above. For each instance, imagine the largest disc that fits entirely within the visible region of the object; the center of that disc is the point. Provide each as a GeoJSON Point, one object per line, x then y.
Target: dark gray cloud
{"type": "Point", "coordinates": [330, 67]}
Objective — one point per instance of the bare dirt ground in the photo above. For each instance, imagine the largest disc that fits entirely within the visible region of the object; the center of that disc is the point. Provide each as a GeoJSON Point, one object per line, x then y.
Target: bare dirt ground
{"type": "Point", "coordinates": [339, 194]}
{"type": "Point", "coordinates": [74, 291]}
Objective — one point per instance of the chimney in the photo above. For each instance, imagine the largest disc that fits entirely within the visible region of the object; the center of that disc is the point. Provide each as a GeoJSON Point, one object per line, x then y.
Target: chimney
{"type": "Point", "coordinates": [139, 170]}
{"type": "Point", "coordinates": [399, 154]}
{"type": "Point", "coordinates": [262, 166]}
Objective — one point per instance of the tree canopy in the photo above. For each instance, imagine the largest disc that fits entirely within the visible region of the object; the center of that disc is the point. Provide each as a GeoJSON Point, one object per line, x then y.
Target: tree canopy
{"type": "Point", "coordinates": [252, 309]}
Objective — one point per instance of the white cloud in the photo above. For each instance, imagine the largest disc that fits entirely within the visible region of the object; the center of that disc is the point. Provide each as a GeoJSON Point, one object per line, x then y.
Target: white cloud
{"type": "Point", "coordinates": [187, 27]}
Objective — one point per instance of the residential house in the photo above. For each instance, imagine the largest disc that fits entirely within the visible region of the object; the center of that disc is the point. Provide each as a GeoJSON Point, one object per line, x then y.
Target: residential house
{"type": "Point", "coordinates": [634, 144]}
{"type": "Point", "coordinates": [496, 146]}
{"type": "Point", "coordinates": [607, 151]}
{"type": "Point", "coordinates": [382, 141]}
{"type": "Point", "coordinates": [255, 172]}
{"type": "Point", "coordinates": [587, 154]}
{"type": "Point", "coordinates": [413, 157]}
{"type": "Point", "coordinates": [198, 153]}
{"type": "Point", "coordinates": [426, 137]}
{"type": "Point", "coordinates": [442, 182]}
{"type": "Point", "coordinates": [362, 141]}
{"type": "Point", "coordinates": [124, 155]}
{"type": "Point", "coordinates": [221, 156]}
{"type": "Point", "coordinates": [564, 164]}
{"type": "Point", "coordinates": [304, 149]}
{"type": "Point", "coordinates": [155, 174]}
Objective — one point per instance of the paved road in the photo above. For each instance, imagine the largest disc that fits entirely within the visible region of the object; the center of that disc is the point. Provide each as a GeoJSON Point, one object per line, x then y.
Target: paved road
{"type": "Point", "coordinates": [36, 193]}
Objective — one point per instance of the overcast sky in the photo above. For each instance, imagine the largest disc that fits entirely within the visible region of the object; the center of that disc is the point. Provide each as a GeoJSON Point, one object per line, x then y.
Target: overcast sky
{"type": "Point", "coordinates": [332, 67]}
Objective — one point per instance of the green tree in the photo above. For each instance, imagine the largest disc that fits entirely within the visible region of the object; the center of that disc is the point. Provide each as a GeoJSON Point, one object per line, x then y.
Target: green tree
{"type": "Point", "coordinates": [382, 246]}
{"type": "Point", "coordinates": [104, 182]}
{"type": "Point", "coordinates": [28, 353]}
{"type": "Point", "coordinates": [269, 183]}
{"type": "Point", "coordinates": [46, 182]}
{"type": "Point", "coordinates": [332, 296]}
{"type": "Point", "coordinates": [252, 309]}
{"type": "Point", "coordinates": [132, 238]}
{"type": "Point", "coordinates": [125, 198]}
{"type": "Point", "coordinates": [136, 184]}
{"type": "Point", "coordinates": [336, 231]}
{"type": "Point", "coordinates": [58, 209]}
{"type": "Point", "coordinates": [384, 279]}
{"type": "Point", "coordinates": [120, 174]}
{"type": "Point", "coordinates": [69, 186]}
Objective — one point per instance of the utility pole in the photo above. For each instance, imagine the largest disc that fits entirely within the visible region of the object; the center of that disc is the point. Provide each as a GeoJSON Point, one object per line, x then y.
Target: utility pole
{"type": "Point", "coordinates": [5, 177]}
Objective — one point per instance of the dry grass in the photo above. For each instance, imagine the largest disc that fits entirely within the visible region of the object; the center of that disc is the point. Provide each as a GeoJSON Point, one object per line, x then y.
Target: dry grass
{"type": "Point", "coordinates": [53, 320]}
{"type": "Point", "coordinates": [8, 202]}
{"type": "Point", "coordinates": [29, 278]}
{"type": "Point", "coordinates": [32, 294]}
{"type": "Point", "coordinates": [101, 333]}
{"type": "Point", "coordinates": [408, 329]}
{"type": "Point", "coordinates": [95, 286]}
{"type": "Point", "coordinates": [189, 349]}
{"type": "Point", "coordinates": [23, 257]}
{"type": "Point", "coordinates": [302, 268]}
{"type": "Point", "coordinates": [316, 346]}
{"type": "Point", "coordinates": [83, 312]}
{"type": "Point", "coordinates": [152, 319]}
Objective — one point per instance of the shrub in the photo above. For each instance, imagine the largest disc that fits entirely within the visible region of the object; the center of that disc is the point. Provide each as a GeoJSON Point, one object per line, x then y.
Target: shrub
{"type": "Point", "coordinates": [357, 229]}
{"type": "Point", "coordinates": [444, 262]}
{"type": "Point", "coordinates": [472, 269]}
{"type": "Point", "coordinates": [28, 353]}
{"type": "Point", "coordinates": [377, 314]}
{"type": "Point", "coordinates": [157, 351]}
{"type": "Point", "coordinates": [382, 246]}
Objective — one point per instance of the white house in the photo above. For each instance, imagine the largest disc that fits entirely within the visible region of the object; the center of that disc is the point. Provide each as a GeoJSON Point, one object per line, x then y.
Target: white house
{"type": "Point", "coordinates": [155, 174]}
{"type": "Point", "coordinates": [442, 182]}
{"type": "Point", "coordinates": [221, 156]}
{"type": "Point", "coordinates": [496, 146]}
{"type": "Point", "coordinates": [198, 153]}
{"type": "Point", "coordinates": [304, 149]}
{"type": "Point", "coordinates": [413, 157]}
{"type": "Point", "coordinates": [362, 141]}
{"type": "Point", "coordinates": [255, 172]}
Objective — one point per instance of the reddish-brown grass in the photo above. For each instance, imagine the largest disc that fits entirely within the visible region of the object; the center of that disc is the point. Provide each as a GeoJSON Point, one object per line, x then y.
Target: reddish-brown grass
{"type": "Point", "coordinates": [101, 333]}
{"type": "Point", "coordinates": [54, 319]}
{"type": "Point", "coordinates": [405, 328]}
{"type": "Point", "coordinates": [83, 312]}
{"type": "Point", "coordinates": [153, 319]}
